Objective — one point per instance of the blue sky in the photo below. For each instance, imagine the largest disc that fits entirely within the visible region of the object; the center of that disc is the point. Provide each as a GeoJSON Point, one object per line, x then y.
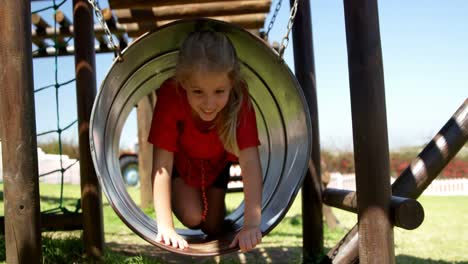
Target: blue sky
{"type": "Point", "coordinates": [425, 57]}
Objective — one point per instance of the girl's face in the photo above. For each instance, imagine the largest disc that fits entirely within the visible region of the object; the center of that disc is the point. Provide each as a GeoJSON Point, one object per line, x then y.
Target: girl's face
{"type": "Point", "coordinates": [208, 93]}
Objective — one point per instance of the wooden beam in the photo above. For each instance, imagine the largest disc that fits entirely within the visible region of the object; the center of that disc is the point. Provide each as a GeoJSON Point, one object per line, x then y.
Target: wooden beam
{"type": "Point", "coordinates": [64, 23]}
{"type": "Point", "coordinates": [56, 222]}
{"type": "Point", "coordinates": [68, 50]}
{"type": "Point", "coordinates": [250, 21]}
{"type": "Point", "coordinates": [118, 4]}
{"type": "Point", "coordinates": [38, 21]}
{"type": "Point", "coordinates": [103, 41]}
{"type": "Point", "coordinates": [192, 11]}
{"type": "Point", "coordinates": [406, 213]}
{"type": "Point", "coordinates": [61, 19]}
{"type": "Point", "coordinates": [69, 32]}
{"type": "Point", "coordinates": [40, 25]}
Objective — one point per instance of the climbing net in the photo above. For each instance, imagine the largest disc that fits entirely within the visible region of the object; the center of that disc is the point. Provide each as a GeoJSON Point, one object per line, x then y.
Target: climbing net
{"type": "Point", "coordinates": [57, 44]}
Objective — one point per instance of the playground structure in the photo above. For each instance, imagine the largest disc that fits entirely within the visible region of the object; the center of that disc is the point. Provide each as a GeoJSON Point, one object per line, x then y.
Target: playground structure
{"type": "Point", "coordinates": [379, 205]}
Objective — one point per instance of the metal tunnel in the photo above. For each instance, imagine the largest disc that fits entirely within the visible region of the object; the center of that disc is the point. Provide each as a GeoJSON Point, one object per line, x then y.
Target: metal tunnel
{"type": "Point", "coordinates": [282, 117]}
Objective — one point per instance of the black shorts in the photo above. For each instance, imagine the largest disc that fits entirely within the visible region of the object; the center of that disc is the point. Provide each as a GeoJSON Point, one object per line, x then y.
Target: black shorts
{"type": "Point", "coordinates": [221, 181]}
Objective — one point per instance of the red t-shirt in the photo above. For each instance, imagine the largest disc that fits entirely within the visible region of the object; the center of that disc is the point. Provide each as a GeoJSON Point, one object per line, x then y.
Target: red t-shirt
{"type": "Point", "coordinates": [195, 151]}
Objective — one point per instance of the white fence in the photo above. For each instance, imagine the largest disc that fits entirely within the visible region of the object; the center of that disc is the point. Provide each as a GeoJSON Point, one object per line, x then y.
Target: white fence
{"type": "Point", "coordinates": [448, 187]}
{"type": "Point", "coordinates": [443, 187]}
{"type": "Point", "coordinates": [51, 162]}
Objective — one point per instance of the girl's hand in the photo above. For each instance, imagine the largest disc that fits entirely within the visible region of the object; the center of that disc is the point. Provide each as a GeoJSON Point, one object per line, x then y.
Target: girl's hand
{"type": "Point", "coordinates": [169, 237]}
{"type": "Point", "coordinates": [247, 238]}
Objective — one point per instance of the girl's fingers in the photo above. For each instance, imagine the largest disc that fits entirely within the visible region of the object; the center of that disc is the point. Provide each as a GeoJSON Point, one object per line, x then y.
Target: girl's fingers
{"type": "Point", "coordinates": [182, 243]}
{"type": "Point", "coordinates": [253, 239]}
{"type": "Point", "coordinates": [248, 243]}
{"type": "Point", "coordinates": [158, 237]}
{"type": "Point", "coordinates": [247, 240]}
{"type": "Point", "coordinates": [167, 240]}
{"type": "Point", "coordinates": [245, 244]}
{"type": "Point", "coordinates": [172, 239]}
{"type": "Point", "coordinates": [241, 245]}
{"type": "Point", "coordinates": [174, 242]}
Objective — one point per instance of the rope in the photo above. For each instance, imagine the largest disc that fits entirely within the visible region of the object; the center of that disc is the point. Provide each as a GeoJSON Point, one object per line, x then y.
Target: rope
{"type": "Point", "coordinates": [59, 130]}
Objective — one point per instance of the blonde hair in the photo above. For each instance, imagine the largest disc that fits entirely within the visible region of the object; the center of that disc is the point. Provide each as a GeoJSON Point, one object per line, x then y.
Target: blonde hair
{"type": "Point", "coordinates": [210, 51]}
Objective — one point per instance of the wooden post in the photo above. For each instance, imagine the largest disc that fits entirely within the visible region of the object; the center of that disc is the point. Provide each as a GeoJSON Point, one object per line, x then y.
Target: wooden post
{"type": "Point", "coordinates": [145, 149]}
{"type": "Point", "coordinates": [18, 130]}
{"type": "Point", "coordinates": [312, 226]}
{"type": "Point", "coordinates": [85, 69]}
{"type": "Point", "coordinates": [369, 132]}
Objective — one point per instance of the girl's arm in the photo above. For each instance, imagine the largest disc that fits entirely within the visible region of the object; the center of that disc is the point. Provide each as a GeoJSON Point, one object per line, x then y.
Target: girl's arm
{"type": "Point", "coordinates": [250, 235]}
{"type": "Point", "coordinates": [161, 179]}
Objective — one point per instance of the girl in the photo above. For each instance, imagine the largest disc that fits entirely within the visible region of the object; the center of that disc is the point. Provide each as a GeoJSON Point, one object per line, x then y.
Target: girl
{"type": "Point", "coordinates": [203, 121]}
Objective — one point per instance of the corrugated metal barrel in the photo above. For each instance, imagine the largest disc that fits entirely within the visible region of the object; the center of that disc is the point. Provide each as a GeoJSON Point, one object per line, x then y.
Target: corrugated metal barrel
{"type": "Point", "coordinates": [282, 117]}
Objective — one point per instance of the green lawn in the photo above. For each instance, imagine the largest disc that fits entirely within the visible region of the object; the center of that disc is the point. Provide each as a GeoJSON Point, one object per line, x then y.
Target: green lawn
{"type": "Point", "coordinates": [442, 238]}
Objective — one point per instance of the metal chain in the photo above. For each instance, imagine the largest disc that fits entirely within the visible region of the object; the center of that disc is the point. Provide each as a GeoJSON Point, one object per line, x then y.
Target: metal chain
{"type": "Point", "coordinates": [273, 18]}
{"type": "Point", "coordinates": [98, 13]}
{"type": "Point", "coordinates": [285, 40]}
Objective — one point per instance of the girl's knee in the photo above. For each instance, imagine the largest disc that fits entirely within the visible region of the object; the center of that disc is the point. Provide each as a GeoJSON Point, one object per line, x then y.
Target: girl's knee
{"type": "Point", "coordinates": [192, 221]}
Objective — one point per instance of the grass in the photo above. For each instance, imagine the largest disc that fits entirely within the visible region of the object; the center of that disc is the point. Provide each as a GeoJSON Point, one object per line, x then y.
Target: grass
{"type": "Point", "coordinates": [442, 238]}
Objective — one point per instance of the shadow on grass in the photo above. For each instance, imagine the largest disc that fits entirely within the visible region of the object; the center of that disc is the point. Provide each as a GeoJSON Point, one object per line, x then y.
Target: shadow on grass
{"type": "Point", "coordinates": [56, 200]}
{"type": "Point", "coordinates": [48, 199]}
{"type": "Point", "coordinates": [259, 255]}
{"type": "Point", "coordinates": [270, 254]}
{"type": "Point", "coordinates": [414, 260]}
{"type": "Point", "coordinates": [71, 250]}
{"type": "Point", "coordinates": [284, 234]}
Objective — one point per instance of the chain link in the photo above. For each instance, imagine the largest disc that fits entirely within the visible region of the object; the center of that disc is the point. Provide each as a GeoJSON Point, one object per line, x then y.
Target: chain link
{"type": "Point", "coordinates": [273, 18]}
{"type": "Point", "coordinates": [285, 40]}
{"type": "Point", "coordinates": [98, 13]}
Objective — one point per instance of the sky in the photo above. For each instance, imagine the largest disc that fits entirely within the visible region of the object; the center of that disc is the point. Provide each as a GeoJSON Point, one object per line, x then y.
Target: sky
{"type": "Point", "coordinates": [425, 60]}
